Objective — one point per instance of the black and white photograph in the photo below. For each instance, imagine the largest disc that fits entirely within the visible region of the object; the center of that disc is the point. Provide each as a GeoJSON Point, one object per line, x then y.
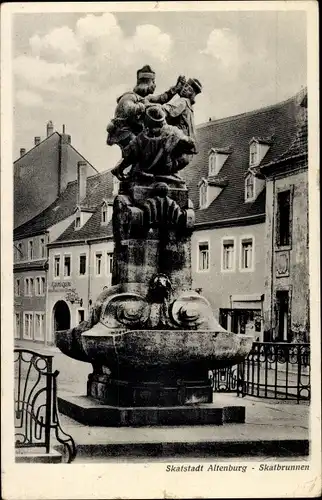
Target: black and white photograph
{"type": "Point", "coordinates": [160, 250]}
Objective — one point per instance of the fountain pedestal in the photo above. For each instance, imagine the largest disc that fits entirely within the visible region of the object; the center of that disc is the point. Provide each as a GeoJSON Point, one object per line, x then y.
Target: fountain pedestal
{"type": "Point", "coordinates": [150, 339]}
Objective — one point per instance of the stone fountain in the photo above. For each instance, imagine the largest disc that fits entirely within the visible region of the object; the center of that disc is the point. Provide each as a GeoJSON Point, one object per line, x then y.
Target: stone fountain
{"type": "Point", "coordinates": [150, 338]}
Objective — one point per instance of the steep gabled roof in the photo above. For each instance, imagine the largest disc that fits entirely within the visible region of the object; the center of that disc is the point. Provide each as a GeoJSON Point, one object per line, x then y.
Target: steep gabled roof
{"type": "Point", "coordinates": [277, 122]}
{"type": "Point", "coordinates": [44, 140]}
{"type": "Point", "coordinates": [102, 186]}
{"type": "Point", "coordinates": [98, 186]}
{"type": "Point", "coordinates": [91, 229]}
{"type": "Point", "coordinates": [298, 147]}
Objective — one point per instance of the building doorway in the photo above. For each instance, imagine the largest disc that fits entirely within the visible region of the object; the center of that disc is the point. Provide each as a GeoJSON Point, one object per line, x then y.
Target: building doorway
{"type": "Point", "coordinates": [61, 315]}
{"type": "Point", "coordinates": [243, 321]}
{"type": "Point", "coordinates": [282, 313]}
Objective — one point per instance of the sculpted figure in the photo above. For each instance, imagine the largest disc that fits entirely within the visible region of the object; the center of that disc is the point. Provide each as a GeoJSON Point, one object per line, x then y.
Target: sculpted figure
{"type": "Point", "coordinates": [179, 112]}
{"type": "Point", "coordinates": [160, 149]}
{"type": "Point", "coordinates": [128, 119]}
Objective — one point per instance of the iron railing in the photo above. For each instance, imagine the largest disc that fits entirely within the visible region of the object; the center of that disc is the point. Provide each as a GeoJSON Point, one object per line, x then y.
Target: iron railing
{"type": "Point", "coordinates": [35, 404]}
{"type": "Point", "coordinates": [225, 379]}
{"type": "Point", "coordinates": [271, 370]}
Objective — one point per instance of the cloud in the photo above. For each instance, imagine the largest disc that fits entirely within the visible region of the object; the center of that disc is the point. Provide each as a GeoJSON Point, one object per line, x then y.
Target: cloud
{"type": "Point", "coordinates": [150, 39]}
{"type": "Point", "coordinates": [99, 37]}
{"type": "Point", "coordinates": [39, 72]}
{"type": "Point", "coordinates": [28, 98]}
{"type": "Point", "coordinates": [58, 42]}
{"type": "Point", "coordinates": [225, 47]}
{"type": "Point", "coordinates": [89, 56]}
{"type": "Point", "coordinates": [92, 27]}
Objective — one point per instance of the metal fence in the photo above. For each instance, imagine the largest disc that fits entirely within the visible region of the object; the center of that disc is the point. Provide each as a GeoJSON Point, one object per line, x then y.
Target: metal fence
{"type": "Point", "coordinates": [35, 404]}
{"type": "Point", "coordinates": [271, 370]}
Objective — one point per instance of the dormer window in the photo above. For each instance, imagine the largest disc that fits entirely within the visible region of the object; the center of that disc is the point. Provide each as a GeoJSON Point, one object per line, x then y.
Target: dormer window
{"type": "Point", "coordinates": [203, 195]}
{"type": "Point", "coordinates": [116, 185]}
{"type": "Point", "coordinates": [253, 153]}
{"type": "Point", "coordinates": [216, 160]}
{"type": "Point", "coordinates": [78, 219]}
{"type": "Point", "coordinates": [249, 187]}
{"type": "Point", "coordinates": [258, 148]}
{"type": "Point", "coordinates": [212, 164]}
{"type": "Point", "coordinates": [106, 213]}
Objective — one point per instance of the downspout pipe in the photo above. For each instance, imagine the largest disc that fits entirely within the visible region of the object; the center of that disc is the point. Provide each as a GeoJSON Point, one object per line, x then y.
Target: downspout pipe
{"type": "Point", "coordinates": [272, 259]}
{"type": "Point", "coordinates": [89, 273]}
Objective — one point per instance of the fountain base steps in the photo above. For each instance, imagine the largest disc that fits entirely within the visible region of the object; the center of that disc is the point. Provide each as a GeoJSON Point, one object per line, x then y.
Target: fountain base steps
{"type": "Point", "coordinates": [89, 411]}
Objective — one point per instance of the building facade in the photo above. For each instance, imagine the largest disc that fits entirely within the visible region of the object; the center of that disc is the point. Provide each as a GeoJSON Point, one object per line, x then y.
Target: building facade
{"type": "Point", "coordinates": [80, 260]}
{"type": "Point", "coordinates": [40, 175]}
{"type": "Point", "coordinates": [229, 194]}
{"type": "Point", "coordinates": [287, 241]}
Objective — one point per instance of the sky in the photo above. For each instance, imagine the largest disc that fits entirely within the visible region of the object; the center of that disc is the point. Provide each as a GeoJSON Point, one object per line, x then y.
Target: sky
{"type": "Point", "coordinates": [71, 67]}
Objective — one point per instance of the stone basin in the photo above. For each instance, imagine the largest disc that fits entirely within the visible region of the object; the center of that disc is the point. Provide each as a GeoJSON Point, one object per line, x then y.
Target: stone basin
{"type": "Point", "coordinates": [153, 367]}
{"type": "Point", "coordinates": [143, 349]}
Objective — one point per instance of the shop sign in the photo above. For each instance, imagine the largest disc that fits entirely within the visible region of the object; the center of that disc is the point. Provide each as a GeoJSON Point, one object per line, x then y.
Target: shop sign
{"type": "Point", "coordinates": [57, 286]}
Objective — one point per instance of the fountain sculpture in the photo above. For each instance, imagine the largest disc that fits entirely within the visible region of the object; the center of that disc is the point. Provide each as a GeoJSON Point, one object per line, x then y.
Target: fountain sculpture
{"type": "Point", "coordinates": [150, 339]}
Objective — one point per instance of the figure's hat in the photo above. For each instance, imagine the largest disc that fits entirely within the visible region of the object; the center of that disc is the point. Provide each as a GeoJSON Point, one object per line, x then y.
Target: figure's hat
{"type": "Point", "coordinates": [195, 84]}
{"type": "Point", "coordinates": [145, 73]}
{"type": "Point", "coordinates": [155, 116]}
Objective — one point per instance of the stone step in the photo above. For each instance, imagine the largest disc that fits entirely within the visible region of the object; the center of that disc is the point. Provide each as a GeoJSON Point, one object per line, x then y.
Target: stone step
{"type": "Point", "coordinates": [193, 449]}
{"type": "Point", "coordinates": [90, 412]}
{"type": "Point", "coordinates": [36, 455]}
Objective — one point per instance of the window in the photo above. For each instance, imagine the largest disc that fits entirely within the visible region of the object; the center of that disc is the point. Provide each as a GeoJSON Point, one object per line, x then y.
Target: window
{"type": "Point", "coordinates": [19, 251]}
{"type": "Point", "coordinates": [109, 263]}
{"type": "Point", "coordinates": [39, 326]}
{"type": "Point", "coordinates": [228, 255]}
{"type": "Point", "coordinates": [249, 187]}
{"type": "Point", "coordinates": [106, 213]}
{"type": "Point", "coordinates": [17, 288]}
{"type": "Point", "coordinates": [98, 263]}
{"type": "Point", "coordinates": [253, 150]}
{"type": "Point", "coordinates": [283, 218]}
{"type": "Point", "coordinates": [28, 325]}
{"type": "Point", "coordinates": [42, 248]}
{"type": "Point", "coordinates": [81, 315]}
{"type": "Point", "coordinates": [246, 254]}
{"type": "Point", "coordinates": [28, 286]}
{"type": "Point", "coordinates": [212, 165]}
{"type": "Point", "coordinates": [82, 265]}
{"type": "Point", "coordinates": [77, 222]}
{"type": "Point", "coordinates": [203, 257]}
{"type": "Point", "coordinates": [56, 266]}
{"type": "Point", "coordinates": [17, 325]}
{"type": "Point", "coordinates": [40, 285]}
{"type": "Point", "coordinates": [67, 266]}
{"type": "Point", "coordinates": [31, 285]}
{"type": "Point", "coordinates": [30, 250]}
{"type": "Point", "coordinates": [203, 198]}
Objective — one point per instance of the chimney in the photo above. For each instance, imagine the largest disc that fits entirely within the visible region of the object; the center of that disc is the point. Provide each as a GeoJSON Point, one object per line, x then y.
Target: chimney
{"type": "Point", "coordinates": [50, 128]}
{"type": "Point", "coordinates": [67, 168]}
{"type": "Point", "coordinates": [22, 151]}
{"type": "Point", "coordinates": [37, 141]}
{"type": "Point", "coordinates": [63, 129]}
{"type": "Point", "coordinates": [81, 181]}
